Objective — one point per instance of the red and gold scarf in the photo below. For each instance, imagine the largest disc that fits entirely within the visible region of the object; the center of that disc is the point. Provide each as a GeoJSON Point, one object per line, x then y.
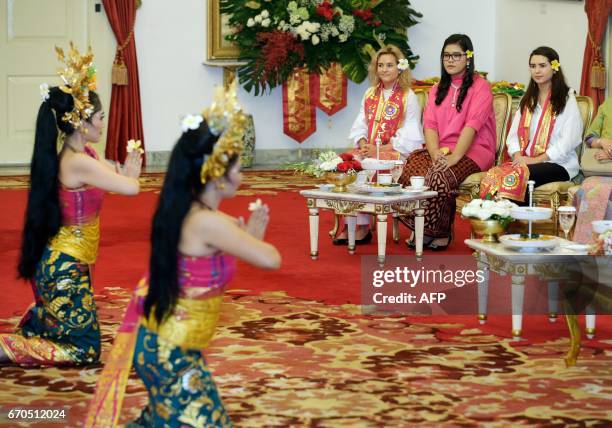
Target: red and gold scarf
{"type": "Point", "coordinates": [384, 117]}
{"type": "Point", "coordinates": [511, 182]}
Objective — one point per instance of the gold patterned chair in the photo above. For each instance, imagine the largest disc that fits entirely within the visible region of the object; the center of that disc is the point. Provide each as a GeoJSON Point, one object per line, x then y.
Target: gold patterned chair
{"type": "Point", "coordinates": [555, 194]}
{"type": "Point", "coordinates": [470, 188]}
{"type": "Point", "coordinates": [422, 96]}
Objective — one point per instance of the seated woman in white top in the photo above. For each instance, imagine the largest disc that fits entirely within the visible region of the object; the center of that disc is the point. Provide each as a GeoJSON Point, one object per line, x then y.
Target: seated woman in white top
{"type": "Point", "coordinates": [544, 134]}
{"type": "Point", "coordinates": [390, 113]}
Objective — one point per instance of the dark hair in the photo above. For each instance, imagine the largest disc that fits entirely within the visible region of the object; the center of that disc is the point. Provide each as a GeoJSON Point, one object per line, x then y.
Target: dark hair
{"type": "Point", "coordinates": [445, 78]}
{"type": "Point", "coordinates": [558, 90]}
{"type": "Point", "coordinates": [182, 186]}
{"type": "Point", "coordinates": [43, 215]}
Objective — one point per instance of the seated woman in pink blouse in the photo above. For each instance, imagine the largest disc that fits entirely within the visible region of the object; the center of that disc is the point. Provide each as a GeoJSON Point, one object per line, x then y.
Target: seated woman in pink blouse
{"type": "Point", "coordinates": [459, 125]}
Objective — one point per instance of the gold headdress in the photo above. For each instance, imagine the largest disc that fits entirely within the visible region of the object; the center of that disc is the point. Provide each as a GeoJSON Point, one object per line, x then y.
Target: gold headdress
{"type": "Point", "coordinates": [79, 77]}
{"type": "Point", "coordinates": [224, 117]}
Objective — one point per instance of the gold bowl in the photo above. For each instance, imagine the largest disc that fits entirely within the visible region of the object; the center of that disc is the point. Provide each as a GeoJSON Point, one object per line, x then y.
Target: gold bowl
{"type": "Point", "coordinates": [488, 229]}
{"type": "Point", "coordinates": [340, 180]}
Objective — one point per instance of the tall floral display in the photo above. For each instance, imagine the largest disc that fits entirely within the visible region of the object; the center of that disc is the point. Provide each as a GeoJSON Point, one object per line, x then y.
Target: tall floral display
{"type": "Point", "coordinates": [311, 47]}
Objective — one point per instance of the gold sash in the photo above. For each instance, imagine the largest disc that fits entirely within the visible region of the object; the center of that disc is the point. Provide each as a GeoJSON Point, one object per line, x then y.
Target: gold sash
{"type": "Point", "coordinates": [191, 325]}
{"type": "Point", "coordinates": [80, 242]}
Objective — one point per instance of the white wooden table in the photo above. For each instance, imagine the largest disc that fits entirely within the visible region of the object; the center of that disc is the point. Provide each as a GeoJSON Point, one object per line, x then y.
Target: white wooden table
{"type": "Point", "coordinates": [350, 204]}
{"type": "Point", "coordinates": [551, 265]}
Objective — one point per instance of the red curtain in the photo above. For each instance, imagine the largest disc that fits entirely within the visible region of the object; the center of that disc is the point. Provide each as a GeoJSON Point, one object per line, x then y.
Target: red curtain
{"type": "Point", "coordinates": [125, 117]}
{"type": "Point", "coordinates": [597, 13]}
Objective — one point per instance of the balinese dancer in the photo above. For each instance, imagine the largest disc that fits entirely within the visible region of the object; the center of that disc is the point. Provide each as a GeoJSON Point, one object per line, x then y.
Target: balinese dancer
{"type": "Point", "coordinates": [61, 231]}
{"type": "Point", "coordinates": [175, 308]}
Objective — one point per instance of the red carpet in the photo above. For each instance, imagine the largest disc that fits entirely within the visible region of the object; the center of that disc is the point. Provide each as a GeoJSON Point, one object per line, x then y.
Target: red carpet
{"type": "Point", "coordinates": [333, 279]}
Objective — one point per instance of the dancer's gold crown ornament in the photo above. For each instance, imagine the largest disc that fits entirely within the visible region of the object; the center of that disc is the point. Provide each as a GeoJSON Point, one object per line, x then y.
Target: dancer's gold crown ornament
{"type": "Point", "coordinates": [225, 118]}
{"type": "Point", "coordinates": [79, 77]}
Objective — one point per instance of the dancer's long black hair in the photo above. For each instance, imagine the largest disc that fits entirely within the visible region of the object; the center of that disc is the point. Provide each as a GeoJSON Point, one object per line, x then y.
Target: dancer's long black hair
{"type": "Point", "coordinates": [558, 90]}
{"type": "Point", "coordinates": [43, 216]}
{"type": "Point", "coordinates": [445, 79]}
{"type": "Point", "coordinates": [182, 186]}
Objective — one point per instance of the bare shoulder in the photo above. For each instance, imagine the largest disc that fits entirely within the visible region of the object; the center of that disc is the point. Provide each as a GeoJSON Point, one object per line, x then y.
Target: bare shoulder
{"type": "Point", "coordinates": [209, 221]}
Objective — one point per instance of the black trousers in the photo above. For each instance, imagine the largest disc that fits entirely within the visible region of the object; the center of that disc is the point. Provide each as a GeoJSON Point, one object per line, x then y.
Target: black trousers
{"type": "Point", "coordinates": [543, 173]}
{"type": "Point", "coordinates": [547, 172]}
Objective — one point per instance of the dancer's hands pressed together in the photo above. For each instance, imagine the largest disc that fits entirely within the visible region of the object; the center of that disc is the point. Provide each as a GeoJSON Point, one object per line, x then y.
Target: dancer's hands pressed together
{"type": "Point", "coordinates": [132, 166]}
{"type": "Point", "coordinates": [258, 222]}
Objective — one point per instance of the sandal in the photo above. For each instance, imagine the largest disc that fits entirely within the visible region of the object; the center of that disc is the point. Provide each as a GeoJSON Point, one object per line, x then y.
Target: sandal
{"type": "Point", "coordinates": [411, 243]}
{"type": "Point", "coordinates": [439, 247]}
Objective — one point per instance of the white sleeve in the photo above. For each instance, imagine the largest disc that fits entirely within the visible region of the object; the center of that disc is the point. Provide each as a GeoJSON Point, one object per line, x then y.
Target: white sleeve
{"type": "Point", "coordinates": [512, 141]}
{"type": "Point", "coordinates": [359, 129]}
{"type": "Point", "coordinates": [567, 134]}
{"type": "Point", "coordinates": [409, 137]}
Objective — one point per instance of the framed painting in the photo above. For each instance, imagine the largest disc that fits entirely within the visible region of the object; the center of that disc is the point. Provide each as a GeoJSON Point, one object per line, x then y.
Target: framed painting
{"type": "Point", "coordinates": [219, 50]}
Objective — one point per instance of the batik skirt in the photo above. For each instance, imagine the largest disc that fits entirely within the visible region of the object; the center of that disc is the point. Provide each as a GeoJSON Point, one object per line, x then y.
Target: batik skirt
{"type": "Point", "coordinates": [61, 327]}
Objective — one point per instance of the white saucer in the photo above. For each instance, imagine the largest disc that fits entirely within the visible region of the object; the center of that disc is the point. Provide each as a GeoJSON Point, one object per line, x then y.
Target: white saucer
{"type": "Point", "coordinates": [379, 190]}
{"type": "Point", "coordinates": [515, 242]}
{"type": "Point", "coordinates": [325, 187]}
{"type": "Point", "coordinates": [579, 248]}
{"type": "Point", "coordinates": [410, 189]}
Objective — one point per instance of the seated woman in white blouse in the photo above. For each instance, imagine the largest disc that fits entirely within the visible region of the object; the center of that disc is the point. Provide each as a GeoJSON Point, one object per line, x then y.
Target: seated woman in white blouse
{"type": "Point", "coordinates": [389, 112]}
{"type": "Point", "coordinates": [544, 134]}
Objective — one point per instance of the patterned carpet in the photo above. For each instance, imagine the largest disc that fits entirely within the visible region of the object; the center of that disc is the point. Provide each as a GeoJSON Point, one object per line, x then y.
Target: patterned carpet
{"type": "Point", "coordinates": [282, 361]}
{"type": "Point", "coordinates": [289, 362]}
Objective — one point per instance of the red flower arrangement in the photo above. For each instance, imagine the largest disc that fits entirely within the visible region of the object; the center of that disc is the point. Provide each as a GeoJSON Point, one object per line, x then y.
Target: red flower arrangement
{"type": "Point", "coordinates": [348, 163]}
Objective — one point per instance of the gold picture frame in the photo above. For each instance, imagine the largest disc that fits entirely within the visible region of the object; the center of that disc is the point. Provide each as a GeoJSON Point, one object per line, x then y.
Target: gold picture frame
{"type": "Point", "coordinates": [219, 50]}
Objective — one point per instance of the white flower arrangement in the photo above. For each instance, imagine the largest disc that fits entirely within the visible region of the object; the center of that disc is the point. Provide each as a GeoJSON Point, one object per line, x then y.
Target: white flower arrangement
{"type": "Point", "coordinates": [44, 91]}
{"type": "Point", "coordinates": [484, 209]}
{"type": "Point", "coordinates": [191, 122]}
{"type": "Point", "coordinates": [403, 64]}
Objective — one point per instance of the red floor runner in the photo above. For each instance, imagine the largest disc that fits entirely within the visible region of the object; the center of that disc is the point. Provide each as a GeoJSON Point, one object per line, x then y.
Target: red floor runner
{"type": "Point", "coordinates": [334, 278]}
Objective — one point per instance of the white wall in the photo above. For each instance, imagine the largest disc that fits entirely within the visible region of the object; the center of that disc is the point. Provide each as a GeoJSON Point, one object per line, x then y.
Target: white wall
{"type": "Point", "coordinates": [171, 43]}
{"type": "Point", "coordinates": [523, 25]}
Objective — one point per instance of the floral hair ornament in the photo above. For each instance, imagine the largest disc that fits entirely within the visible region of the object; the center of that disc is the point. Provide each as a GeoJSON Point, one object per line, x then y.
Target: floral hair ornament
{"type": "Point", "coordinates": [403, 64]}
{"type": "Point", "coordinates": [191, 122]}
{"type": "Point", "coordinates": [225, 118]}
{"type": "Point", "coordinates": [79, 77]}
{"type": "Point", "coordinates": [555, 64]}
{"type": "Point", "coordinates": [44, 91]}
{"type": "Point", "coordinates": [469, 53]}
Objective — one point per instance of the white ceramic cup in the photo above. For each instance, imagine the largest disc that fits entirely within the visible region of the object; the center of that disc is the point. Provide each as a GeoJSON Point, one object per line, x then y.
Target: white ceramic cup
{"type": "Point", "coordinates": [385, 178]}
{"type": "Point", "coordinates": [417, 181]}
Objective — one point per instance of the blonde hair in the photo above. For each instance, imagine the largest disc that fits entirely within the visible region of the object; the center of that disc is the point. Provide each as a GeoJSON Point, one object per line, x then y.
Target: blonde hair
{"type": "Point", "coordinates": [405, 77]}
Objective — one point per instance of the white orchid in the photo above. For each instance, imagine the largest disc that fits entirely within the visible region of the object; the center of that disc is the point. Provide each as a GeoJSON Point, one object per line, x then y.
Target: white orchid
{"type": "Point", "coordinates": [265, 22]}
{"type": "Point", "coordinates": [191, 122]}
{"type": "Point", "coordinates": [44, 91]}
{"type": "Point", "coordinates": [250, 22]}
{"type": "Point", "coordinates": [403, 64]}
{"type": "Point", "coordinates": [134, 145]}
{"type": "Point", "coordinates": [315, 40]}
